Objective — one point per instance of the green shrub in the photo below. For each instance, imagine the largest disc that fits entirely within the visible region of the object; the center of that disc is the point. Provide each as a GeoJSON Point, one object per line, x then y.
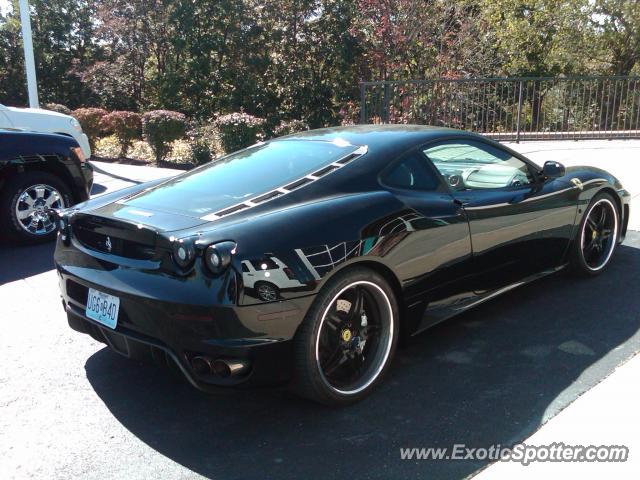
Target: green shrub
{"type": "Point", "coordinates": [288, 127]}
{"type": "Point", "coordinates": [56, 107]}
{"type": "Point", "coordinates": [90, 119]}
{"type": "Point", "coordinates": [239, 130]}
{"type": "Point", "coordinates": [200, 152]}
{"type": "Point", "coordinates": [204, 143]}
{"type": "Point", "coordinates": [126, 126]}
{"type": "Point", "coordinates": [160, 128]}
{"type": "Point", "coordinates": [201, 144]}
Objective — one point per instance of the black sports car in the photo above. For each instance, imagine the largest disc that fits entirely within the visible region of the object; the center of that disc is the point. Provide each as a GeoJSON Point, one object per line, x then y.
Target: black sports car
{"type": "Point", "coordinates": [303, 259]}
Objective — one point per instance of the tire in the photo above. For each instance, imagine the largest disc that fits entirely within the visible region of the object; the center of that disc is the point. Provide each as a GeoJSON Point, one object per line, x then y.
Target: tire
{"type": "Point", "coordinates": [336, 339]}
{"type": "Point", "coordinates": [267, 291]}
{"type": "Point", "coordinates": [32, 183]}
{"type": "Point", "coordinates": [594, 244]}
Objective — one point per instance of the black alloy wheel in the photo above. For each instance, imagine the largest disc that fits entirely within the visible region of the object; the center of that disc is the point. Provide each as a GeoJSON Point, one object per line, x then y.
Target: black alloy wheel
{"type": "Point", "coordinates": [347, 339]}
{"type": "Point", "coordinates": [597, 236]}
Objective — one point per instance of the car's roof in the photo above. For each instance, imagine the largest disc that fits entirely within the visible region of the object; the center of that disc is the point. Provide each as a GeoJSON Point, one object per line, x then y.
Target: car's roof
{"type": "Point", "coordinates": [378, 136]}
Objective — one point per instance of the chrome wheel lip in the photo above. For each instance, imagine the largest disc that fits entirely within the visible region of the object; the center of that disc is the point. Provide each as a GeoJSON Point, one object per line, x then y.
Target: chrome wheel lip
{"type": "Point", "coordinates": [40, 199]}
{"type": "Point", "coordinates": [387, 348]}
{"type": "Point", "coordinates": [614, 235]}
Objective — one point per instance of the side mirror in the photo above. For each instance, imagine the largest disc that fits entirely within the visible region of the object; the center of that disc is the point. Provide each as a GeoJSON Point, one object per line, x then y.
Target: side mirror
{"type": "Point", "coordinates": [553, 169]}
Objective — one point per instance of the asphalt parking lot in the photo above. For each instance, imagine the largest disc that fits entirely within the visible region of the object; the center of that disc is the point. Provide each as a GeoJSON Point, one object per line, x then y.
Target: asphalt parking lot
{"type": "Point", "coordinates": [69, 407]}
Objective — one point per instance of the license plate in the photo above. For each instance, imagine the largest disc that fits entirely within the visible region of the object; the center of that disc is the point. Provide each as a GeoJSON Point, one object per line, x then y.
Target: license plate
{"type": "Point", "coordinates": [103, 308]}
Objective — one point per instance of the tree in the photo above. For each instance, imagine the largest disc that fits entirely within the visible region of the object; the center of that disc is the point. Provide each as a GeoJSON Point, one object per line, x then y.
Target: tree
{"type": "Point", "coordinates": [63, 41]}
{"type": "Point", "coordinates": [616, 25]}
{"type": "Point", "coordinates": [537, 37]}
{"type": "Point", "coordinates": [12, 80]}
{"type": "Point", "coordinates": [301, 59]}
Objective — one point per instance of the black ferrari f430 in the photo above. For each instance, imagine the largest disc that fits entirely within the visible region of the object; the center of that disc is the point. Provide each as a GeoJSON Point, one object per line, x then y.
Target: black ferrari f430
{"type": "Point", "coordinates": [302, 260]}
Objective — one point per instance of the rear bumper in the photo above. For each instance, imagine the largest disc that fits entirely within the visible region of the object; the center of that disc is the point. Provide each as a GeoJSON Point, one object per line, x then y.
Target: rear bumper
{"type": "Point", "coordinates": [267, 366]}
{"type": "Point", "coordinates": [172, 332]}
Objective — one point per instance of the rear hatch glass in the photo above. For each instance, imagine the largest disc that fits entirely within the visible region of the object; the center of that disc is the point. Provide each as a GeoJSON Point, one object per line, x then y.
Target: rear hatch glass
{"type": "Point", "coordinates": [240, 176]}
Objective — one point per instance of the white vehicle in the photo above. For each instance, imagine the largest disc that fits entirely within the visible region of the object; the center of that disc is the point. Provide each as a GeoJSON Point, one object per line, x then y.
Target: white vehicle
{"type": "Point", "coordinates": [46, 121]}
{"type": "Point", "coordinates": [267, 277]}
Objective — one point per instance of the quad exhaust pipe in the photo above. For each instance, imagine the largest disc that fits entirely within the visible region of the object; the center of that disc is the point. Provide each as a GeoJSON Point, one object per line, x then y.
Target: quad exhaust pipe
{"type": "Point", "coordinates": [222, 367]}
{"type": "Point", "coordinates": [202, 365]}
{"type": "Point", "coordinates": [229, 368]}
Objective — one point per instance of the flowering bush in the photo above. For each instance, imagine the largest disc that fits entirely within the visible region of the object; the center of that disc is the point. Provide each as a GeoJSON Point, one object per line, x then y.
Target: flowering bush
{"type": "Point", "coordinates": [90, 119]}
{"type": "Point", "coordinates": [288, 127]}
{"type": "Point", "coordinates": [126, 126]}
{"type": "Point", "coordinates": [239, 130]}
{"type": "Point", "coordinates": [56, 107]}
{"type": "Point", "coordinates": [160, 128]}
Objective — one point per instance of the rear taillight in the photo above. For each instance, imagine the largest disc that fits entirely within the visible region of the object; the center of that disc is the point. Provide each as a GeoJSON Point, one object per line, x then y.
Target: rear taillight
{"type": "Point", "coordinates": [183, 252]}
{"type": "Point", "coordinates": [217, 257]}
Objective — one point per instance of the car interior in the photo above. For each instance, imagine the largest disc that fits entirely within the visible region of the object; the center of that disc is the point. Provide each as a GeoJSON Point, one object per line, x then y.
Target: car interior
{"type": "Point", "coordinates": [473, 166]}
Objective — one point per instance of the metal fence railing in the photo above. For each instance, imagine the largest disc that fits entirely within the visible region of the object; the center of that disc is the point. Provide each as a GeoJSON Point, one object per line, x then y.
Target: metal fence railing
{"type": "Point", "coordinates": [511, 108]}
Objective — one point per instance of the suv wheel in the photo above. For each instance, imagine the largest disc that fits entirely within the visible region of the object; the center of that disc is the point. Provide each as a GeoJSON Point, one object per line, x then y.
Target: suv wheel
{"type": "Point", "coordinates": [27, 205]}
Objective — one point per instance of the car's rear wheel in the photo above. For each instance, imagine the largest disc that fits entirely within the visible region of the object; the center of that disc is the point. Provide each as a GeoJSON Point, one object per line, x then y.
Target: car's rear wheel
{"type": "Point", "coordinates": [27, 205]}
{"type": "Point", "coordinates": [597, 236]}
{"type": "Point", "coordinates": [347, 339]}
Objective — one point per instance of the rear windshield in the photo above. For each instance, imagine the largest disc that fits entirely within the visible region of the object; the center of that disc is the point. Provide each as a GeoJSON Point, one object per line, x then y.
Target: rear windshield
{"type": "Point", "coordinates": [241, 176]}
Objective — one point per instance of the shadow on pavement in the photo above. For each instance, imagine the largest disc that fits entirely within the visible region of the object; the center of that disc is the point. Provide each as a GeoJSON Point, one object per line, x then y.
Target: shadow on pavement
{"type": "Point", "coordinates": [17, 263]}
{"type": "Point", "coordinates": [491, 376]}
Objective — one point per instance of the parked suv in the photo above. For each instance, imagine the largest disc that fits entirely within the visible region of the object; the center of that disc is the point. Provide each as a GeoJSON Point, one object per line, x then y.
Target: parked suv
{"type": "Point", "coordinates": [39, 173]}
{"type": "Point", "coordinates": [46, 121]}
{"type": "Point", "coordinates": [267, 276]}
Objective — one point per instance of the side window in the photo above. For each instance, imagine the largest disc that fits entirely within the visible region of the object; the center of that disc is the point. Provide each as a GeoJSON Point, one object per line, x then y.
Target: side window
{"type": "Point", "coordinates": [411, 173]}
{"type": "Point", "coordinates": [470, 165]}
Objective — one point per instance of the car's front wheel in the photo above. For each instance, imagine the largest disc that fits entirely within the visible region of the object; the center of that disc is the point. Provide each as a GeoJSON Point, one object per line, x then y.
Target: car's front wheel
{"type": "Point", "coordinates": [597, 236]}
{"type": "Point", "coordinates": [27, 202]}
{"type": "Point", "coordinates": [347, 339]}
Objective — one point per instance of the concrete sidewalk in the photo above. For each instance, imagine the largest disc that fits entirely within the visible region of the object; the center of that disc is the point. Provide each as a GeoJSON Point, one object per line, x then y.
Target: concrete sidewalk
{"type": "Point", "coordinates": [607, 414]}
{"type": "Point", "coordinates": [133, 173]}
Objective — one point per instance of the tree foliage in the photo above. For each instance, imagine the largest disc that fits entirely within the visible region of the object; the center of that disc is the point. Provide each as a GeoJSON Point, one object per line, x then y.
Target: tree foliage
{"type": "Point", "coordinates": [616, 34]}
{"type": "Point", "coordinates": [299, 59]}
